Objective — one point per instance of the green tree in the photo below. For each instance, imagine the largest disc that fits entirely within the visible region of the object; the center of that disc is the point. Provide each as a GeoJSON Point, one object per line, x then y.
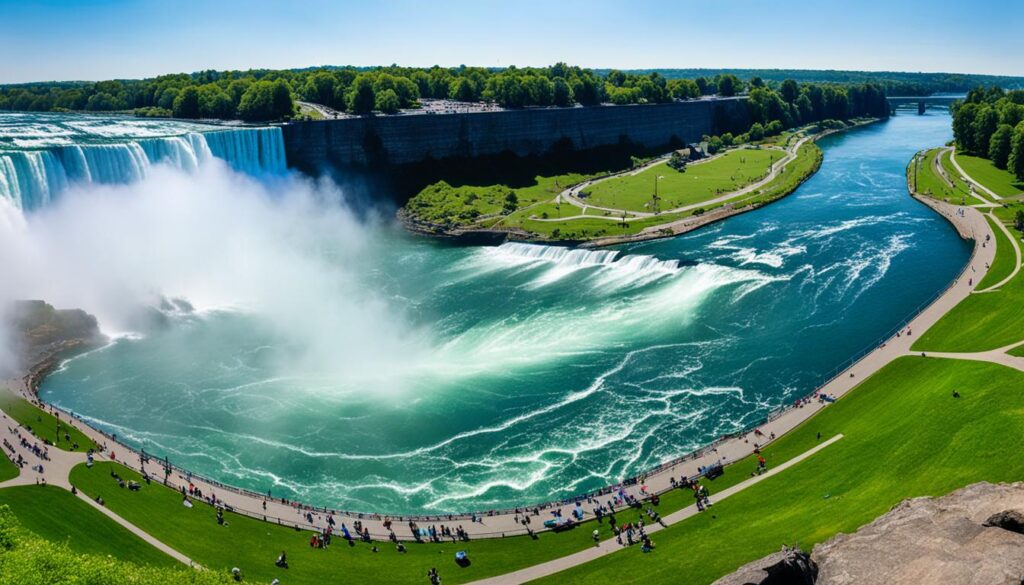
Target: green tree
{"type": "Point", "coordinates": [464, 90]}
{"type": "Point", "coordinates": [214, 102]}
{"type": "Point", "coordinates": [963, 126]}
{"type": "Point", "coordinates": [511, 203]}
{"type": "Point", "coordinates": [756, 132]}
{"type": "Point", "coordinates": [1000, 144]}
{"type": "Point", "coordinates": [985, 125]}
{"type": "Point", "coordinates": [362, 97]}
{"type": "Point", "coordinates": [388, 102]}
{"type": "Point", "coordinates": [320, 89]}
{"type": "Point", "coordinates": [1015, 163]}
{"type": "Point", "coordinates": [789, 90]}
{"type": "Point", "coordinates": [562, 93]}
{"type": "Point", "coordinates": [186, 105]}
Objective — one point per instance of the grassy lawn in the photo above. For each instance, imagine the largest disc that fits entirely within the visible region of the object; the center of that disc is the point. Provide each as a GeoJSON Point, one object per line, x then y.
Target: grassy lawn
{"type": "Point", "coordinates": [701, 181]}
{"type": "Point", "coordinates": [253, 545]}
{"type": "Point", "coordinates": [58, 516]}
{"type": "Point", "coordinates": [1005, 261]}
{"type": "Point", "coordinates": [931, 184]}
{"type": "Point", "coordinates": [981, 169]}
{"type": "Point", "coordinates": [8, 470]}
{"type": "Point", "coordinates": [807, 163]}
{"type": "Point", "coordinates": [959, 186]}
{"type": "Point", "coordinates": [1007, 213]}
{"type": "Point", "coordinates": [886, 456]}
{"type": "Point", "coordinates": [465, 205]}
{"type": "Point", "coordinates": [43, 424]}
{"type": "Point", "coordinates": [980, 322]}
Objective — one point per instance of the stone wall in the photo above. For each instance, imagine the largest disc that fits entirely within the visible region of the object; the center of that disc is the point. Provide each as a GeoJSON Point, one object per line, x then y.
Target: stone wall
{"type": "Point", "coordinates": [392, 141]}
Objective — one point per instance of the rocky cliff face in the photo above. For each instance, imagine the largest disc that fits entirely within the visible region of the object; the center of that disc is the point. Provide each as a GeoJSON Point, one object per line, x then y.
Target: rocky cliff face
{"type": "Point", "coordinates": [973, 536]}
{"type": "Point", "coordinates": [388, 141]}
{"type": "Point", "coordinates": [42, 335]}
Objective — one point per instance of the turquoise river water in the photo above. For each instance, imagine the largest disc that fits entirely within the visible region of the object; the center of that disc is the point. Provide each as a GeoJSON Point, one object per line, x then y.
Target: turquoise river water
{"type": "Point", "coordinates": [528, 373]}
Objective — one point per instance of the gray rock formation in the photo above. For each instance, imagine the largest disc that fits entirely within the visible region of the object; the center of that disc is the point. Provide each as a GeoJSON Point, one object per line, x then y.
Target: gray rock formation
{"type": "Point", "coordinates": [973, 536]}
{"type": "Point", "coordinates": [790, 566]}
{"type": "Point", "coordinates": [44, 335]}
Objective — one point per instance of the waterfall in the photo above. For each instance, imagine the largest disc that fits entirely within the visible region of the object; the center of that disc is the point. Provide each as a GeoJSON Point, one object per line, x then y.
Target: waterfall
{"type": "Point", "coordinates": [34, 178]}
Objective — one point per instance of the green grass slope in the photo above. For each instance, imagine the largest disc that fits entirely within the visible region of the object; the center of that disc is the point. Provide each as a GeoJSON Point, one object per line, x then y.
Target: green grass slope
{"type": "Point", "coordinates": [43, 424]}
{"type": "Point", "coordinates": [700, 182]}
{"type": "Point", "coordinates": [905, 436]}
{"type": "Point", "coordinates": [999, 180]}
{"type": "Point", "coordinates": [1005, 261]}
{"type": "Point", "coordinates": [56, 515]}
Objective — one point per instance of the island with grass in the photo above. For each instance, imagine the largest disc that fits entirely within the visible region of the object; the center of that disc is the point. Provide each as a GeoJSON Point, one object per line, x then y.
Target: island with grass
{"type": "Point", "coordinates": [656, 197]}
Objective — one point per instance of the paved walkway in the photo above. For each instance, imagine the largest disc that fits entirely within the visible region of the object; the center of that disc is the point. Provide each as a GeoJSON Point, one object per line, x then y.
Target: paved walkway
{"type": "Point", "coordinates": [56, 471]}
{"type": "Point", "coordinates": [571, 194]}
{"type": "Point", "coordinates": [969, 222]}
{"type": "Point", "coordinates": [1016, 251]}
{"type": "Point", "coordinates": [970, 180]}
{"type": "Point", "coordinates": [611, 545]}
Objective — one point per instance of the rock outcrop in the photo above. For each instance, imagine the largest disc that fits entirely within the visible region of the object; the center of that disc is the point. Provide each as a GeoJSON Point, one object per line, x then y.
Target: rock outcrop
{"type": "Point", "coordinates": [790, 566]}
{"type": "Point", "coordinates": [973, 536]}
{"type": "Point", "coordinates": [44, 335]}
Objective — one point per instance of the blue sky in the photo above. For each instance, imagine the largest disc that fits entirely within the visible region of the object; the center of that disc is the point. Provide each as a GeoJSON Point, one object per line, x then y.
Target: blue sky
{"type": "Point", "coordinates": [101, 39]}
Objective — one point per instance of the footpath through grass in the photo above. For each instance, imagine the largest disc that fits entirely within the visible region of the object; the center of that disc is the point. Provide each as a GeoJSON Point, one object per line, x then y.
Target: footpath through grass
{"type": "Point", "coordinates": [905, 436]}
{"type": "Point", "coordinates": [999, 180]}
{"type": "Point", "coordinates": [982, 321]}
{"type": "Point", "coordinates": [253, 545]}
{"type": "Point", "coordinates": [700, 182]}
{"type": "Point", "coordinates": [1005, 261]}
{"type": "Point", "coordinates": [43, 424]}
{"type": "Point", "coordinates": [56, 515]}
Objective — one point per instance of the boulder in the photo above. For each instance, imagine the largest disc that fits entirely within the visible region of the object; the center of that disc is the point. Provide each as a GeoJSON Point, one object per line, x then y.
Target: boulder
{"type": "Point", "coordinates": [973, 536]}
{"type": "Point", "coordinates": [943, 540]}
{"type": "Point", "coordinates": [790, 566]}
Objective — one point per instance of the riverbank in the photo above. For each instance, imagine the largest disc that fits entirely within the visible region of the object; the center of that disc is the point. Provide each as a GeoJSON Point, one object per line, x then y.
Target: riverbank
{"type": "Point", "coordinates": [589, 228]}
{"type": "Point", "coordinates": [502, 522]}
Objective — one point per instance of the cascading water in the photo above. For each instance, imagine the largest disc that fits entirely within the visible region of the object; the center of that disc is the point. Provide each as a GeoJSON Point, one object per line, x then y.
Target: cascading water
{"type": "Point", "coordinates": [33, 178]}
{"type": "Point", "coordinates": [344, 365]}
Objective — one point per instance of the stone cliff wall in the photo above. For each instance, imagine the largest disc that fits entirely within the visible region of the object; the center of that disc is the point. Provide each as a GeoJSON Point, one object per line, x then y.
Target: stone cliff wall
{"type": "Point", "coordinates": [392, 141]}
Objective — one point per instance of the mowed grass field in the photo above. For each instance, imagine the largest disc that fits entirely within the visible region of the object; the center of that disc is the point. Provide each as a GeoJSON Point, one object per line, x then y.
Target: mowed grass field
{"type": "Point", "coordinates": [930, 183]}
{"type": "Point", "coordinates": [884, 457]}
{"type": "Point", "coordinates": [8, 470]}
{"type": "Point", "coordinates": [981, 169]}
{"type": "Point", "coordinates": [43, 424]}
{"type": "Point", "coordinates": [253, 545]}
{"type": "Point", "coordinates": [1005, 261]}
{"type": "Point", "coordinates": [982, 321]}
{"type": "Point", "coordinates": [56, 515]}
{"type": "Point", "coordinates": [700, 182]}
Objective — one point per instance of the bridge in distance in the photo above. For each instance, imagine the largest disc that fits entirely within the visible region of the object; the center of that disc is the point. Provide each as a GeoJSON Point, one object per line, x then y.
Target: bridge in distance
{"type": "Point", "coordinates": [922, 101]}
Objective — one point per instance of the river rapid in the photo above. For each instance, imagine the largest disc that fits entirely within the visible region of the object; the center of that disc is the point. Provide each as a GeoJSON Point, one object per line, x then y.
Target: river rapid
{"type": "Point", "coordinates": [440, 378]}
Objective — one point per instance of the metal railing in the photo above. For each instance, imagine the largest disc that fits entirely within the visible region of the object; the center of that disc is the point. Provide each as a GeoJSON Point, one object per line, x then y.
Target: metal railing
{"type": "Point", "coordinates": [301, 509]}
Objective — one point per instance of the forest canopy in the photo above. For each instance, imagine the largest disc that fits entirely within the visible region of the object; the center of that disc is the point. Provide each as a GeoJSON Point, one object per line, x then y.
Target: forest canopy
{"type": "Point", "coordinates": [264, 95]}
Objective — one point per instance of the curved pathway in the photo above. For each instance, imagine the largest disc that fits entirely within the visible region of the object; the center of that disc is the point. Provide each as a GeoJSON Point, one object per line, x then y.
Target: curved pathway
{"type": "Point", "coordinates": [970, 179]}
{"type": "Point", "coordinates": [56, 475]}
{"type": "Point", "coordinates": [609, 546]}
{"type": "Point", "coordinates": [571, 194]}
{"type": "Point", "coordinates": [1016, 251]}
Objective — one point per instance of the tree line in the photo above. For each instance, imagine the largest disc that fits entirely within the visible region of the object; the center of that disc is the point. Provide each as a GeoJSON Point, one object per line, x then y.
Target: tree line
{"type": "Point", "coordinates": [990, 123]}
{"type": "Point", "coordinates": [261, 95]}
{"type": "Point", "coordinates": [895, 83]}
{"type": "Point", "coordinates": [791, 104]}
